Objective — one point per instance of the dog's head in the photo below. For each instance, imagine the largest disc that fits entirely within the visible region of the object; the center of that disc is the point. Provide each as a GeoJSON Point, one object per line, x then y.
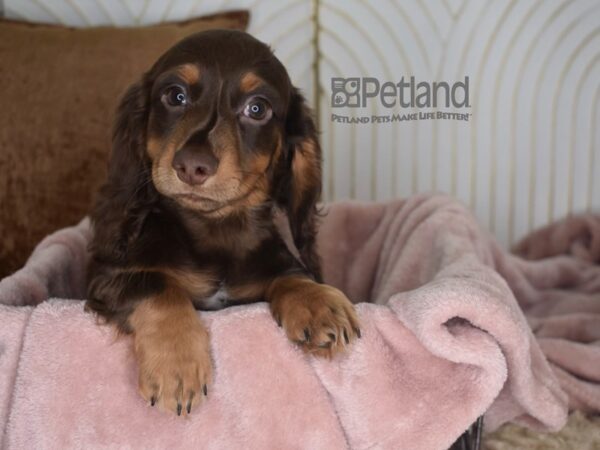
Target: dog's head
{"type": "Point", "coordinates": [220, 126]}
{"type": "Point", "coordinates": [216, 126]}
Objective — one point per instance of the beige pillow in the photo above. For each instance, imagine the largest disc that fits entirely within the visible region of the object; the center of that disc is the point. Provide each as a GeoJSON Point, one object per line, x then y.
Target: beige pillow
{"type": "Point", "coordinates": [59, 88]}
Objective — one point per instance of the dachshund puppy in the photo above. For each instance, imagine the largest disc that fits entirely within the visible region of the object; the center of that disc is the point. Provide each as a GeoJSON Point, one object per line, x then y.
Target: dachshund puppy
{"type": "Point", "coordinates": [207, 146]}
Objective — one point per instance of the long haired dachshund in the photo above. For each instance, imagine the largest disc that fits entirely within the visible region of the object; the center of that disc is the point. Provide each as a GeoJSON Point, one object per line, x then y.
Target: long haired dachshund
{"type": "Point", "coordinates": [207, 146]}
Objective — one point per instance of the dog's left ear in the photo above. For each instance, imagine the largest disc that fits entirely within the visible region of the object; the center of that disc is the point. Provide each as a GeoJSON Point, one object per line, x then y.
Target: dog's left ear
{"type": "Point", "coordinates": [302, 181]}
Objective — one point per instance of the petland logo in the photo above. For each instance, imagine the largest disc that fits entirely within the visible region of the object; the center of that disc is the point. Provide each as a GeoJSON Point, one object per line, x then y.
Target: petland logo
{"type": "Point", "coordinates": [361, 92]}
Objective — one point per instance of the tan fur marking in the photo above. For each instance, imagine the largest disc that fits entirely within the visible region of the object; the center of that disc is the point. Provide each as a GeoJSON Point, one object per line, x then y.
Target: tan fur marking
{"type": "Point", "coordinates": [197, 284]}
{"type": "Point", "coordinates": [251, 291]}
{"type": "Point", "coordinates": [190, 73]}
{"type": "Point", "coordinates": [306, 169]}
{"type": "Point", "coordinates": [316, 316]}
{"type": "Point", "coordinates": [172, 349]}
{"type": "Point", "coordinates": [249, 82]}
{"type": "Point", "coordinates": [193, 283]}
{"type": "Point", "coordinates": [154, 148]}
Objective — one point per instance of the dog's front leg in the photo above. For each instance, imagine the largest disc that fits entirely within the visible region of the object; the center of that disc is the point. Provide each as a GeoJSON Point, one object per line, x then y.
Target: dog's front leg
{"type": "Point", "coordinates": [172, 349]}
{"type": "Point", "coordinates": [318, 317]}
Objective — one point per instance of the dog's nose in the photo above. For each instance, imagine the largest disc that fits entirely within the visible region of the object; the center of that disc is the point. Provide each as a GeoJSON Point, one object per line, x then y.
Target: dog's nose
{"type": "Point", "coordinates": [194, 167]}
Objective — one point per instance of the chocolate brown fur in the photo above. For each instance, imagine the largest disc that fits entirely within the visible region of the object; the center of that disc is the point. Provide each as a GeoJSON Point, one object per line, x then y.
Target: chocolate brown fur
{"type": "Point", "coordinates": [187, 210]}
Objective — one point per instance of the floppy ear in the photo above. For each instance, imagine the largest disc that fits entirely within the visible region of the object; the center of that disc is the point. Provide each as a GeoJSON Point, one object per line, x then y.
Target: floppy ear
{"type": "Point", "coordinates": [119, 210]}
{"type": "Point", "coordinates": [129, 135]}
{"type": "Point", "coordinates": [302, 189]}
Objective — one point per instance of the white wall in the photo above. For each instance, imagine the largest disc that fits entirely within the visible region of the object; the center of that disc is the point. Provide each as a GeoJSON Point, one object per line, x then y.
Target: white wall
{"type": "Point", "coordinates": [531, 150]}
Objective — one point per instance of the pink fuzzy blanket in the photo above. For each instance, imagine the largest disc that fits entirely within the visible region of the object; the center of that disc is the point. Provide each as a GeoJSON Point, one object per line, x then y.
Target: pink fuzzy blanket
{"type": "Point", "coordinates": [454, 327]}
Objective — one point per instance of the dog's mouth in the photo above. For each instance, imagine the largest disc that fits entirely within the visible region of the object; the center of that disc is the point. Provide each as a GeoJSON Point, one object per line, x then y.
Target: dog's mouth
{"type": "Point", "coordinates": [252, 196]}
{"type": "Point", "coordinates": [199, 203]}
{"type": "Point", "coordinates": [195, 198]}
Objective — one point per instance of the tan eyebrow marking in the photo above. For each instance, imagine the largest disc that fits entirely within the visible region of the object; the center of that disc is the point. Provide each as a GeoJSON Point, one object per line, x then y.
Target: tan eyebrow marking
{"type": "Point", "coordinates": [249, 82]}
{"type": "Point", "coordinates": [190, 73]}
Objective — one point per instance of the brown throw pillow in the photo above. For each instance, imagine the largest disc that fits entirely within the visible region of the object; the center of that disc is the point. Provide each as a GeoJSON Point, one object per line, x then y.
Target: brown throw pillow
{"type": "Point", "coordinates": [59, 88]}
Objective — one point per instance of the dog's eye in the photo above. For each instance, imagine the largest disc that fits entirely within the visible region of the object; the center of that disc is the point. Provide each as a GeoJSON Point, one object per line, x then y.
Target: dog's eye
{"type": "Point", "coordinates": [258, 109]}
{"type": "Point", "coordinates": [175, 96]}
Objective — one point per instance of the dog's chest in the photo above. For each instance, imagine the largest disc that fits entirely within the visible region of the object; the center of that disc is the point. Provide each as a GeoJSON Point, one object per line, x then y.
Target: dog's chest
{"type": "Point", "coordinates": [219, 299]}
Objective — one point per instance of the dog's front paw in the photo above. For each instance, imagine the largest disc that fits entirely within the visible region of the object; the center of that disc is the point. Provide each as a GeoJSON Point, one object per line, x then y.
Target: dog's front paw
{"type": "Point", "coordinates": [317, 317]}
{"type": "Point", "coordinates": [175, 368]}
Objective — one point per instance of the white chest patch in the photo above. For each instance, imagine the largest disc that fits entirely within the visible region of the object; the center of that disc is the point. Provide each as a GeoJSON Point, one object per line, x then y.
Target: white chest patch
{"type": "Point", "coordinates": [218, 300]}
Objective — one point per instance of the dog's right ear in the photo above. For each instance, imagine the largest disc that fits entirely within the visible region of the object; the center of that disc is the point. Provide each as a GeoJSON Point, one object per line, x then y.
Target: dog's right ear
{"type": "Point", "coordinates": [129, 134]}
{"type": "Point", "coordinates": [123, 200]}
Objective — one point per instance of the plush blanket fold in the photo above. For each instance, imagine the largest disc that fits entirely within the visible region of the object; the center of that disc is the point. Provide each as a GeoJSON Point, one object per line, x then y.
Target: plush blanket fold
{"type": "Point", "coordinates": [444, 341]}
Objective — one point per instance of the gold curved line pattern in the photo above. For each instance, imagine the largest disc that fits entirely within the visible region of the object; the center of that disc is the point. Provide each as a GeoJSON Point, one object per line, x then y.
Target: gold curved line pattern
{"type": "Point", "coordinates": [395, 138]}
{"type": "Point", "coordinates": [407, 63]}
{"type": "Point", "coordinates": [537, 86]}
{"type": "Point", "coordinates": [353, 140]}
{"type": "Point", "coordinates": [193, 11]}
{"type": "Point", "coordinates": [429, 16]}
{"type": "Point", "coordinates": [143, 11]}
{"type": "Point", "coordinates": [336, 68]}
{"type": "Point", "coordinates": [253, 4]}
{"type": "Point", "coordinates": [449, 9]}
{"type": "Point", "coordinates": [293, 52]}
{"type": "Point", "coordinates": [167, 10]}
{"type": "Point", "coordinates": [528, 56]}
{"type": "Point", "coordinates": [578, 93]}
{"type": "Point", "coordinates": [463, 57]}
{"type": "Point", "coordinates": [492, 186]}
{"type": "Point", "coordinates": [236, 5]}
{"type": "Point", "coordinates": [193, 8]}
{"type": "Point", "coordinates": [512, 153]}
{"type": "Point", "coordinates": [553, 128]}
{"type": "Point", "coordinates": [494, 147]}
{"type": "Point", "coordinates": [438, 75]}
{"type": "Point", "coordinates": [285, 9]}
{"type": "Point", "coordinates": [87, 22]}
{"type": "Point", "coordinates": [454, 150]}
{"type": "Point", "coordinates": [112, 20]}
{"type": "Point", "coordinates": [249, 6]}
{"type": "Point", "coordinates": [330, 150]}
{"type": "Point", "coordinates": [344, 16]}
{"type": "Point", "coordinates": [296, 26]}
{"type": "Point", "coordinates": [413, 31]}
{"type": "Point", "coordinates": [493, 157]}
{"type": "Point", "coordinates": [533, 134]}
{"type": "Point", "coordinates": [434, 128]}
{"type": "Point", "coordinates": [50, 11]}
{"type": "Point", "coordinates": [403, 55]}
{"type": "Point", "coordinates": [592, 153]}
{"type": "Point", "coordinates": [415, 129]}
{"type": "Point", "coordinates": [568, 64]}
{"type": "Point", "coordinates": [131, 12]}
{"type": "Point", "coordinates": [299, 76]}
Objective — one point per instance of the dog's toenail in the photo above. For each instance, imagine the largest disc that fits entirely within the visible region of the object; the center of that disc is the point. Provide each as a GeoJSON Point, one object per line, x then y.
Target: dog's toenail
{"type": "Point", "coordinates": [346, 336]}
{"type": "Point", "coordinates": [178, 409]}
{"type": "Point", "coordinates": [331, 336]}
{"type": "Point", "coordinates": [189, 407]}
{"type": "Point", "coordinates": [357, 331]}
{"type": "Point", "coordinates": [205, 390]}
{"type": "Point", "coordinates": [152, 401]}
{"type": "Point", "coordinates": [306, 334]}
